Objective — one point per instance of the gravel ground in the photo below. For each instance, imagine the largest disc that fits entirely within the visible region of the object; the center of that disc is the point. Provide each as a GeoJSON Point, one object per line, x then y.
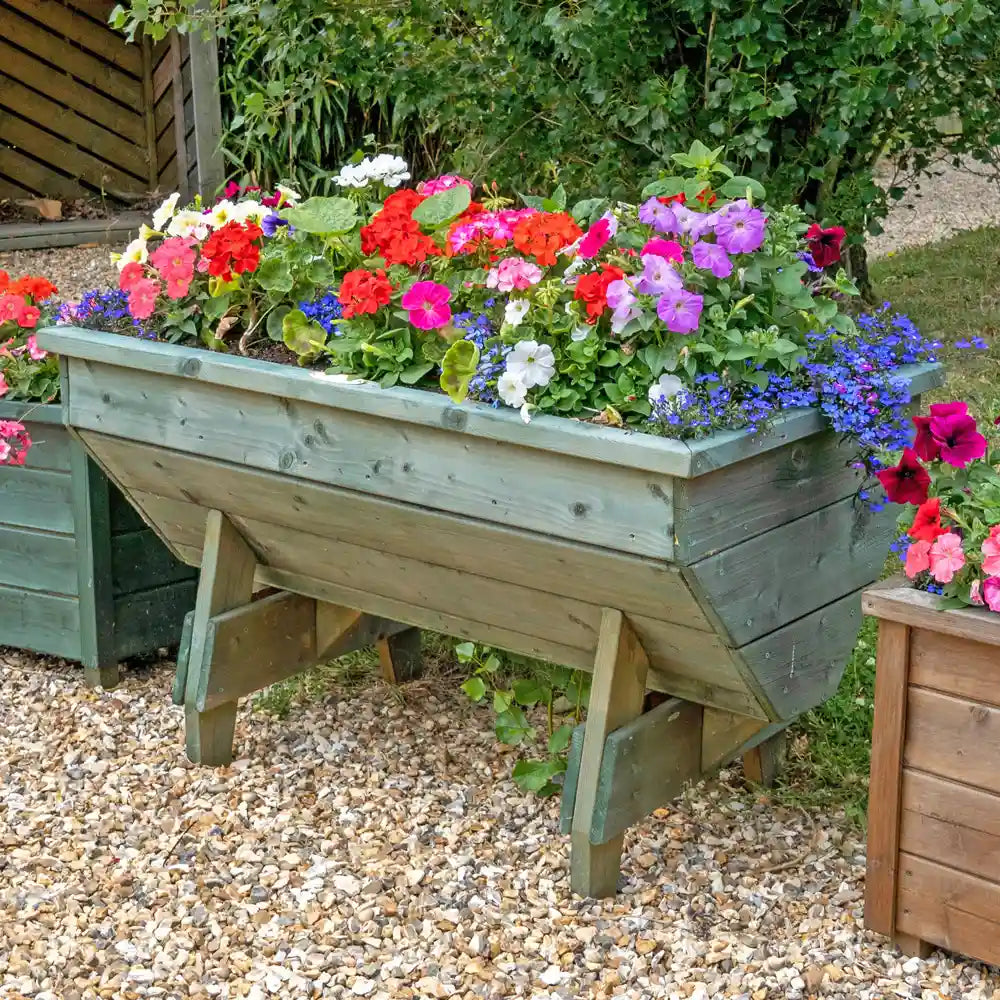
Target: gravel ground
{"type": "Point", "coordinates": [73, 270]}
{"type": "Point", "coordinates": [374, 846]}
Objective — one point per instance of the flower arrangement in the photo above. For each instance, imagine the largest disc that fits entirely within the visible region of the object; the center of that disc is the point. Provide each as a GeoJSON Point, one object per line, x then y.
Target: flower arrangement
{"type": "Point", "coordinates": [27, 372]}
{"type": "Point", "coordinates": [698, 308]}
{"type": "Point", "coordinates": [950, 542]}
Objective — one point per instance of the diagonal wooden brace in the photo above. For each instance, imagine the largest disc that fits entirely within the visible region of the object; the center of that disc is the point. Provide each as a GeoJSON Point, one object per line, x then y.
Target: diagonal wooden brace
{"type": "Point", "coordinates": [232, 645]}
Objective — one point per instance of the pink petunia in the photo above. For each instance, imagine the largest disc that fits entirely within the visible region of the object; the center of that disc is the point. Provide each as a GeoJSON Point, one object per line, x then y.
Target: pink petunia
{"type": "Point", "coordinates": [4, 388]}
{"type": "Point", "coordinates": [917, 558]}
{"type": "Point", "coordinates": [177, 288]}
{"type": "Point", "coordinates": [991, 550]}
{"type": "Point", "coordinates": [513, 273]}
{"type": "Point", "coordinates": [667, 249]}
{"type": "Point", "coordinates": [975, 595]}
{"type": "Point", "coordinates": [11, 307]}
{"type": "Point", "coordinates": [142, 298]}
{"type": "Point", "coordinates": [129, 275]}
{"type": "Point", "coordinates": [946, 557]}
{"type": "Point", "coordinates": [427, 304]}
{"type": "Point", "coordinates": [35, 352]}
{"type": "Point", "coordinates": [596, 237]}
{"type": "Point", "coordinates": [991, 592]}
{"type": "Point", "coordinates": [29, 317]}
{"type": "Point", "coordinates": [174, 259]}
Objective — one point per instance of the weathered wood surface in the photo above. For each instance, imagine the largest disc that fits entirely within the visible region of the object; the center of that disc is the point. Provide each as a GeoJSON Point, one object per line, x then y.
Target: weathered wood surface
{"type": "Point", "coordinates": [46, 623]}
{"type": "Point", "coordinates": [955, 666]}
{"type": "Point", "coordinates": [37, 236]}
{"type": "Point", "coordinates": [762, 763]}
{"type": "Point", "coordinates": [919, 609]}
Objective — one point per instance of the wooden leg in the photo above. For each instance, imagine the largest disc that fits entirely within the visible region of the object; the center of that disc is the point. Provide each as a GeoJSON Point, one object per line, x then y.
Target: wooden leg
{"type": "Point", "coordinates": [616, 698]}
{"type": "Point", "coordinates": [399, 656]}
{"type": "Point", "coordinates": [762, 764]}
{"type": "Point", "coordinates": [226, 582]}
{"type": "Point", "coordinates": [910, 945]}
{"type": "Point", "coordinates": [104, 675]}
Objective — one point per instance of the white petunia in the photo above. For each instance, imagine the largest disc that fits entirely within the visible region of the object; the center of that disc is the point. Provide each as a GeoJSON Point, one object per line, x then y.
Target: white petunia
{"type": "Point", "coordinates": [145, 233]}
{"type": "Point", "coordinates": [225, 211]}
{"type": "Point", "coordinates": [665, 388]}
{"type": "Point", "coordinates": [248, 211]}
{"type": "Point", "coordinates": [165, 212]}
{"type": "Point", "coordinates": [135, 252]}
{"type": "Point", "coordinates": [532, 363]}
{"type": "Point", "coordinates": [189, 223]}
{"type": "Point", "coordinates": [580, 333]}
{"type": "Point", "coordinates": [511, 389]}
{"type": "Point", "coordinates": [526, 412]}
{"type": "Point", "coordinates": [389, 170]}
{"type": "Point", "coordinates": [515, 311]}
{"type": "Point", "coordinates": [288, 196]}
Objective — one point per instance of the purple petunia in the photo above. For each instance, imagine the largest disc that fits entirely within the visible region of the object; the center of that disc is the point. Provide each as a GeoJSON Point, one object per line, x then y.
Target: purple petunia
{"type": "Point", "coordinates": [661, 217]}
{"type": "Point", "coordinates": [712, 257]}
{"type": "Point", "coordinates": [680, 310]}
{"type": "Point", "coordinates": [658, 276]}
{"type": "Point", "coordinates": [740, 228]}
{"type": "Point", "coordinates": [695, 224]}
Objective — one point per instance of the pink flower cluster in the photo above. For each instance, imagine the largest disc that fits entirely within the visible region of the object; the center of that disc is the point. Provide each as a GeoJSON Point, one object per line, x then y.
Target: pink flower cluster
{"type": "Point", "coordinates": [493, 225]}
{"type": "Point", "coordinates": [443, 183]}
{"type": "Point", "coordinates": [426, 302]}
{"type": "Point", "coordinates": [513, 272]}
{"type": "Point", "coordinates": [14, 442]}
{"type": "Point", "coordinates": [174, 260]}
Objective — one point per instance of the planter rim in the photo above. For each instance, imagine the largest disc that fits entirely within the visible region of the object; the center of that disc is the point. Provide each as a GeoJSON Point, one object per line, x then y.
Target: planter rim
{"type": "Point", "coordinates": [34, 412]}
{"type": "Point", "coordinates": [565, 436]}
{"type": "Point", "coordinates": [914, 607]}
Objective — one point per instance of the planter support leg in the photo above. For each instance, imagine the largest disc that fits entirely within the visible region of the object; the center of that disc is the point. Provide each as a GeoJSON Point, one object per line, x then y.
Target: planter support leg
{"type": "Point", "coordinates": [620, 668]}
{"type": "Point", "coordinates": [399, 656]}
{"type": "Point", "coordinates": [226, 582]}
{"type": "Point", "coordinates": [762, 764]}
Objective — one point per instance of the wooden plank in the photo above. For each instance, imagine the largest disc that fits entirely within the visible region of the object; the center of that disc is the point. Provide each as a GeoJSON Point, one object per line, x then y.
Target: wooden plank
{"type": "Point", "coordinates": [50, 148]}
{"type": "Point", "coordinates": [124, 517]}
{"type": "Point", "coordinates": [94, 36]}
{"type": "Point", "coordinates": [944, 840]}
{"type": "Point", "coordinates": [226, 582]}
{"type": "Point", "coordinates": [61, 87]}
{"type": "Point", "coordinates": [496, 481]}
{"type": "Point", "coordinates": [946, 925]}
{"type": "Point", "coordinates": [800, 665]}
{"type": "Point", "coordinates": [148, 619]}
{"type": "Point", "coordinates": [177, 93]}
{"type": "Point", "coordinates": [156, 476]}
{"type": "Point", "coordinates": [34, 413]}
{"type": "Point", "coordinates": [89, 488]}
{"type": "Point", "coordinates": [10, 190]}
{"type": "Point", "coordinates": [616, 695]}
{"type": "Point", "coordinates": [41, 179]}
{"type": "Point", "coordinates": [68, 58]}
{"type": "Point", "coordinates": [953, 738]}
{"type": "Point", "coordinates": [49, 439]}
{"type": "Point", "coordinates": [38, 236]}
{"type": "Point", "coordinates": [944, 800]}
{"type": "Point", "coordinates": [163, 113]}
{"type": "Point", "coordinates": [139, 561]}
{"type": "Point", "coordinates": [955, 666]}
{"type": "Point", "coordinates": [206, 114]}
{"type": "Point", "coordinates": [36, 498]}
{"type": "Point", "coordinates": [722, 733]}
{"type": "Point", "coordinates": [762, 763]}
{"type": "Point", "coordinates": [37, 560]}
{"type": "Point", "coordinates": [777, 577]}
{"type": "Point", "coordinates": [399, 656]}
{"type": "Point", "coordinates": [74, 128]}
{"type": "Point", "coordinates": [919, 609]}
{"type": "Point", "coordinates": [887, 760]}
{"type": "Point", "coordinates": [44, 623]}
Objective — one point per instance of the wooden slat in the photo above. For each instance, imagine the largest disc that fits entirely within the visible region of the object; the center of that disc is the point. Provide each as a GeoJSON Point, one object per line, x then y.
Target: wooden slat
{"type": "Point", "coordinates": [45, 623]}
{"type": "Point", "coordinates": [8, 190]}
{"type": "Point", "coordinates": [49, 439]}
{"type": "Point", "coordinates": [955, 666]}
{"type": "Point", "coordinates": [94, 36]}
{"type": "Point", "coordinates": [73, 128]}
{"type": "Point", "coordinates": [139, 560]}
{"type": "Point", "coordinates": [953, 738]}
{"type": "Point", "coordinates": [800, 664]}
{"type": "Point", "coordinates": [71, 158]}
{"type": "Point", "coordinates": [37, 176]}
{"type": "Point", "coordinates": [919, 609]}
{"type": "Point", "coordinates": [950, 908]}
{"type": "Point", "coordinates": [496, 481]}
{"type": "Point", "coordinates": [179, 129]}
{"type": "Point", "coordinates": [163, 114]}
{"type": "Point", "coordinates": [206, 115]}
{"type": "Point", "coordinates": [756, 587]}
{"type": "Point", "coordinates": [153, 171]}
{"type": "Point", "coordinates": [951, 802]}
{"type": "Point", "coordinates": [31, 498]}
{"type": "Point", "coordinates": [146, 620]}
{"type": "Point", "coordinates": [107, 79]}
{"type": "Point", "coordinates": [37, 560]}
{"type": "Point", "coordinates": [961, 847]}
{"type": "Point", "coordinates": [33, 236]}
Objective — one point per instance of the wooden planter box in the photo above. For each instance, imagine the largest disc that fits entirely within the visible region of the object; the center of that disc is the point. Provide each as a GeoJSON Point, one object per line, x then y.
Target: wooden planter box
{"type": "Point", "coordinates": [934, 818]}
{"type": "Point", "coordinates": [726, 573]}
{"type": "Point", "coordinates": [81, 574]}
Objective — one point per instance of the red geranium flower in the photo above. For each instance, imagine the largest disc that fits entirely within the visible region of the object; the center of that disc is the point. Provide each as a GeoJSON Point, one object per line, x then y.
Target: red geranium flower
{"type": "Point", "coordinates": [35, 288]}
{"type": "Point", "coordinates": [824, 244]}
{"type": "Point", "coordinates": [907, 482]}
{"type": "Point", "coordinates": [593, 289]}
{"type": "Point", "coordinates": [927, 524]}
{"type": "Point", "coordinates": [544, 234]}
{"type": "Point", "coordinates": [364, 292]}
{"type": "Point", "coordinates": [231, 248]}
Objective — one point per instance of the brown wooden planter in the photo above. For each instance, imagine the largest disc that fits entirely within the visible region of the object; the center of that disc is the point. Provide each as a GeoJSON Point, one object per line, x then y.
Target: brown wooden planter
{"type": "Point", "coordinates": [934, 813]}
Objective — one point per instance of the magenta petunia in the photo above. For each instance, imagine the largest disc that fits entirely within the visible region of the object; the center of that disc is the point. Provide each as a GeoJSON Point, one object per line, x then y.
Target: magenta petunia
{"type": "Point", "coordinates": [669, 249]}
{"type": "Point", "coordinates": [958, 438]}
{"type": "Point", "coordinates": [427, 304]}
{"type": "Point", "coordinates": [740, 228]}
{"type": "Point", "coordinates": [712, 257]}
{"type": "Point", "coordinates": [680, 310]}
{"type": "Point", "coordinates": [598, 234]}
{"type": "Point", "coordinates": [991, 592]}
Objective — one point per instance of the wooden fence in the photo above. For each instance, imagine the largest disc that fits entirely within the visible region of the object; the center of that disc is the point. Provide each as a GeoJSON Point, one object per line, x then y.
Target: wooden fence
{"type": "Point", "coordinates": [83, 113]}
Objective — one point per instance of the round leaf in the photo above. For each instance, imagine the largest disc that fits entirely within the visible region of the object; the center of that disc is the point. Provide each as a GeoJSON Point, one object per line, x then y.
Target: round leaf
{"type": "Point", "coordinates": [324, 216]}
{"type": "Point", "coordinates": [443, 207]}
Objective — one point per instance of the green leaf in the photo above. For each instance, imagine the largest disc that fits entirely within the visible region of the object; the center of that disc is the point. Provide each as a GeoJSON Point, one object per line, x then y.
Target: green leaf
{"type": "Point", "coordinates": [274, 275]}
{"type": "Point", "coordinates": [788, 281]}
{"type": "Point", "coordinates": [736, 187]}
{"type": "Point", "coordinates": [323, 216]}
{"type": "Point", "coordinates": [274, 322]}
{"type": "Point", "coordinates": [536, 775]}
{"type": "Point", "coordinates": [588, 210]}
{"type": "Point", "coordinates": [560, 738]}
{"type": "Point", "coordinates": [458, 366]}
{"type": "Point", "coordinates": [443, 207]}
{"type": "Point", "coordinates": [512, 726]}
{"type": "Point", "coordinates": [475, 688]}
{"type": "Point", "coordinates": [666, 187]}
{"type": "Point", "coordinates": [302, 335]}
{"type": "Point", "coordinates": [502, 701]}
{"type": "Point", "coordinates": [532, 201]}
{"type": "Point", "coordinates": [413, 374]}
{"type": "Point", "coordinates": [465, 652]}
{"type": "Point", "coordinates": [558, 198]}
{"type": "Point", "coordinates": [322, 272]}
{"type": "Point", "coordinates": [528, 692]}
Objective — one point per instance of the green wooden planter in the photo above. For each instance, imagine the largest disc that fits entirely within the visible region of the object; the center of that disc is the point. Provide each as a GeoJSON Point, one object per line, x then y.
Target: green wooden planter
{"type": "Point", "coordinates": [81, 574]}
{"type": "Point", "coordinates": [726, 573]}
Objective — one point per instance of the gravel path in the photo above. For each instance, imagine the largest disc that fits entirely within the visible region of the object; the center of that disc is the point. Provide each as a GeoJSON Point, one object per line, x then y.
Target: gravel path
{"type": "Point", "coordinates": [373, 846]}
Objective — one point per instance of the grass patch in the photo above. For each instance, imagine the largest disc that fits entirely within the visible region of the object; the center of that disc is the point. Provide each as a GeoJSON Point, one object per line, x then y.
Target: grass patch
{"type": "Point", "coordinates": [951, 290]}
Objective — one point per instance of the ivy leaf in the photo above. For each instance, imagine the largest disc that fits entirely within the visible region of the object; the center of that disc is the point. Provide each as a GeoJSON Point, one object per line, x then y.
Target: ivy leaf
{"type": "Point", "coordinates": [443, 207]}
{"type": "Point", "coordinates": [465, 651]}
{"type": "Point", "coordinates": [323, 216]}
{"type": "Point", "coordinates": [458, 366]}
{"type": "Point", "coordinates": [475, 688]}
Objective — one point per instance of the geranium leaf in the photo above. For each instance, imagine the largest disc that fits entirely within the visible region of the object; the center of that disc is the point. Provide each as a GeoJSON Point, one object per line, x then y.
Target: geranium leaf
{"type": "Point", "coordinates": [323, 216]}
{"type": "Point", "coordinates": [443, 207]}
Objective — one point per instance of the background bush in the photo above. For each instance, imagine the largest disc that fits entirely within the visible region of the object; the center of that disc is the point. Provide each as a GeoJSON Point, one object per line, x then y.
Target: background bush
{"type": "Point", "coordinates": [805, 94]}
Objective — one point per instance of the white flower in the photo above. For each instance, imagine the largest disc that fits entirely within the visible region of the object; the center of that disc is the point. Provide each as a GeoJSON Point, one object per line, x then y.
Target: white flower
{"type": "Point", "coordinates": [136, 251]}
{"type": "Point", "coordinates": [145, 233]}
{"type": "Point", "coordinates": [511, 389]}
{"type": "Point", "coordinates": [165, 212]}
{"type": "Point", "coordinates": [665, 388]}
{"type": "Point", "coordinates": [187, 222]}
{"type": "Point", "coordinates": [515, 311]}
{"type": "Point", "coordinates": [526, 412]}
{"type": "Point", "coordinates": [248, 211]}
{"type": "Point", "coordinates": [288, 196]}
{"type": "Point", "coordinates": [389, 170]}
{"type": "Point", "coordinates": [532, 363]}
{"type": "Point", "coordinates": [222, 213]}
{"type": "Point", "coordinates": [580, 333]}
